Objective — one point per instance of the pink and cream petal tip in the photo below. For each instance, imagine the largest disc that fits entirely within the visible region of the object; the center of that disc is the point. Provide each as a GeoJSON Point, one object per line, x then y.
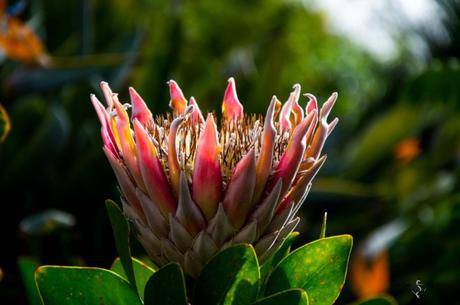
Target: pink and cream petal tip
{"type": "Point", "coordinates": [232, 109]}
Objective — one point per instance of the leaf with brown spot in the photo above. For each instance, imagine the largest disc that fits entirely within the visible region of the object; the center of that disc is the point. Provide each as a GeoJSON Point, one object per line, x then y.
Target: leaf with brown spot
{"type": "Point", "coordinates": [319, 268]}
{"type": "Point", "coordinates": [83, 285]}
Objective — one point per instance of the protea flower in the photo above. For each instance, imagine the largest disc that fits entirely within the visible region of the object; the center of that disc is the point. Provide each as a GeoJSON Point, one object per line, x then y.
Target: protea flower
{"type": "Point", "coordinates": [191, 187]}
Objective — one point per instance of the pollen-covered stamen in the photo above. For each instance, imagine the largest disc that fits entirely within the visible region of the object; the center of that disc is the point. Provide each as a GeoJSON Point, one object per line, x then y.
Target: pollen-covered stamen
{"type": "Point", "coordinates": [183, 135]}
{"type": "Point", "coordinates": [159, 134]}
{"type": "Point", "coordinates": [186, 143]}
{"type": "Point", "coordinates": [236, 139]}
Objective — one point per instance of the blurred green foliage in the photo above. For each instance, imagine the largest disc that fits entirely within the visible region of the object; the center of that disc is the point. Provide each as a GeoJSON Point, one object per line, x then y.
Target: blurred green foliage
{"type": "Point", "coordinates": [52, 157]}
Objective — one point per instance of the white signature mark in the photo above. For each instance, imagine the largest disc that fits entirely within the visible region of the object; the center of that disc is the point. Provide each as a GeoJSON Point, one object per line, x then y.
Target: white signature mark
{"type": "Point", "coordinates": [420, 289]}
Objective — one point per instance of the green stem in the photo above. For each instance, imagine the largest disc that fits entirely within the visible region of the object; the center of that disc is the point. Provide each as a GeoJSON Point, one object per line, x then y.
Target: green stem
{"type": "Point", "coordinates": [323, 226]}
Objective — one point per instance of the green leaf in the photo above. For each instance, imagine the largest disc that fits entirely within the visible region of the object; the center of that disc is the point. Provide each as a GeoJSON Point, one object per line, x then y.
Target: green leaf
{"type": "Point", "coordinates": [323, 226]}
{"type": "Point", "coordinates": [142, 273]}
{"type": "Point", "coordinates": [120, 228]}
{"type": "Point", "coordinates": [230, 277]}
{"type": "Point", "coordinates": [147, 261]}
{"type": "Point", "coordinates": [5, 124]}
{"type": "Point", "coordinates": [166, 287]}
{"type": "Point", "coordinates": [319, 268]}
{"type": "Point", "coordinates": [27, 267]}
{"type": "Point", "coordinates": [83, 286]}
{"type": "Point", "coordinates": [268, 266]}
{"type": "Point", "coordinates": [287, 297]}
{"type": "Point", "coordinates": [380, 300]}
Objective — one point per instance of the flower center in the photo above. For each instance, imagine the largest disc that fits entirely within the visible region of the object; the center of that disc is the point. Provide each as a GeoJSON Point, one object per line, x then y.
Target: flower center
{"type": "Point", "coordinates": [236, 138]}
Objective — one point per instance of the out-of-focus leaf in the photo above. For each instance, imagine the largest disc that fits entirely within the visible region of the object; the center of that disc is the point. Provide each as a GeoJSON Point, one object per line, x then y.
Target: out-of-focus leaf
{"type": "Point", "coordinates": [230, 278]}
{"type": "Point", "coordinates": [378, 140]}
{"type": "Point", "coordinates": [5, 124]}
{"type": "Point", "coordinates": [319, 268]}
{"type": "Point", "coordinates": [344, 187]}
{"type": "Point", "coordinates": [24, 81]}
{"type": "Point", "coordinates": [46, 222]}
{"type": "Point", "coordinates": [439, 82]}
{"type": "Point", "coordinates": [121, 231]}
{"type": "Point", "coordinates": [446, 145]}
{"type": "Point", "coordinates": [166, 287]}
{"type": "Point", "coordinates": [77, 285]}
{"type": "Point", "coordinates": [44, 141]}
{"type": "Point", "coordinates": [27, 267]}
{"type": "Point", "coordinates": [287, 297]}
{"type": "Point", "coordinates": [142, 273]}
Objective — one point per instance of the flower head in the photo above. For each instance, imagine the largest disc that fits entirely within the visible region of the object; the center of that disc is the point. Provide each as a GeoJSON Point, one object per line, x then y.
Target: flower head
{"type": "Point", "coordinates": [192, 186]}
